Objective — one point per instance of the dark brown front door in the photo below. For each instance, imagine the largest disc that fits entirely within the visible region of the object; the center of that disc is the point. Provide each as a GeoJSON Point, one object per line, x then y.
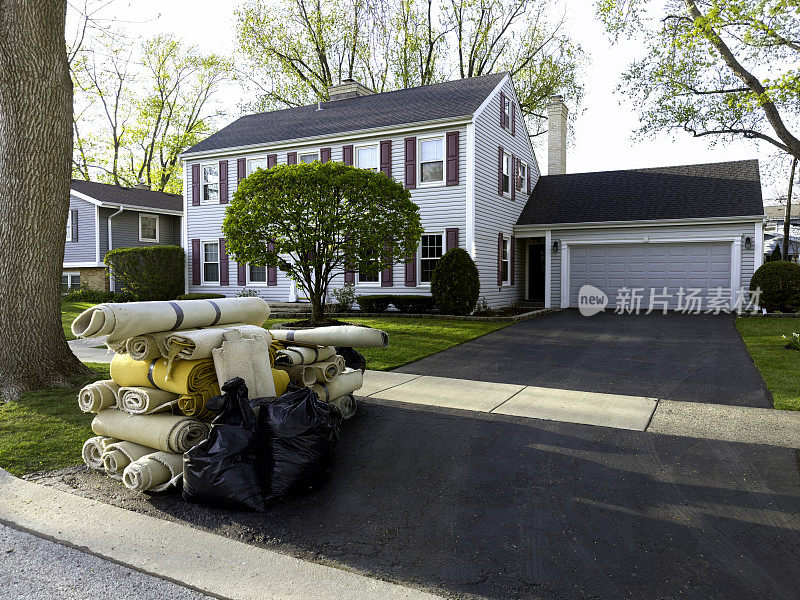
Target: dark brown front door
{"type": "Point", "coordinates": [536, 266]}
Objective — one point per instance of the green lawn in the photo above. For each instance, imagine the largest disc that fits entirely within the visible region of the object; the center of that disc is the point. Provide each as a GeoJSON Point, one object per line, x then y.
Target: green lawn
{"type": "Point", "coordinates": [45, 429]}
{"type": "Point", "coordinates": [70, 310]}
{"type": "Point", "coordinates": [779, 366]}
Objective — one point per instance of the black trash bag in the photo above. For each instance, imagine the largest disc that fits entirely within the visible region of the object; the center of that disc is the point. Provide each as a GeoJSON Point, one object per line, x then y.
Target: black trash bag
{"type": "Point", "coordinates": [352, 358]}
{"type": "Point", "coordinates": [227, 470]}
{"type": "Point", "coordinates": [300, 433]}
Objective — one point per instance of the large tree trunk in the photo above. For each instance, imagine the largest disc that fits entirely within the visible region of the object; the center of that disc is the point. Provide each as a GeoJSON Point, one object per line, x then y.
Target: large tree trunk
{"type": "Point", "coordinates": [787, 218]}
{"type": "Point", "coordinates": [35, 163]}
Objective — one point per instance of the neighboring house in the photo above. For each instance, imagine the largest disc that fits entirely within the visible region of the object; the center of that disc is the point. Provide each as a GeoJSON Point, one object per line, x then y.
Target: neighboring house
{"type": "Point", "coordinates": [103, 216]}
{"type": "Point", "coordinates": [463, 150]}
{"type": "Point", "coordinates": [775, 240]}
{"type": "Point", "coordinates": [776, 213]}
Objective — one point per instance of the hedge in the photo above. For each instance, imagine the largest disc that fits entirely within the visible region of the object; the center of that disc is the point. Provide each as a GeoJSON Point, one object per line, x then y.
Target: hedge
{"type": "Point", "coordinates": [201, 296]}
{"type": "Point", "coordinates": [413, 304]}
{"type": "Point", "coordinates": [149, 273]}
{"type": "Point", "coordinates": [97, 296]}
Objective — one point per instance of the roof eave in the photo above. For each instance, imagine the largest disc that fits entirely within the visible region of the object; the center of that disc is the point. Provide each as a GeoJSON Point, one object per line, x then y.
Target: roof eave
{"type": "Point", "coordinates": [639, 223]}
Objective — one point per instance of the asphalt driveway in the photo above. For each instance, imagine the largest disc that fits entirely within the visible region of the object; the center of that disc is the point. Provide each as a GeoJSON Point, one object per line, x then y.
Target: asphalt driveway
{"type": "Point", "coordinates": [695, 358]}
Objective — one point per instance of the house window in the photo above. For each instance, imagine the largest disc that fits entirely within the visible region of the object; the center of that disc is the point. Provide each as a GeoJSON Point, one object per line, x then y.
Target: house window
{"type": "Point", "coordinates": [258, 274]}
{"type": "Point", "coordinates": [148, 228]}
{"type": "Point", "coordinates": [309, 158]}
{"type": "Point", "coordinates": [210, 184]}
{"type": "Point", "coordinates": [70, 282]}
{"type": "Point", "coordinates": [368, 273]}
{"type": "Point", "coordinates": [367, 158]}
{"type": "Point", "coordinates": [431, 161]}
{"type": "Point", "coordinates": [504, 260]}
{"type": "Point", "coordinates": [506, 173]}
{"type": "Point", "coordinates": [69, 226]}
{"type": "Point", "coordinates": [210, 262]}
{"type": "Point", "coordinates": [430, 253]}
{"type": "Point", "coordinates": [256, 163]}
{"type": "Point", "coordinates": [507, 110]}
{"type": "Point", "coordinates": [522, 175]}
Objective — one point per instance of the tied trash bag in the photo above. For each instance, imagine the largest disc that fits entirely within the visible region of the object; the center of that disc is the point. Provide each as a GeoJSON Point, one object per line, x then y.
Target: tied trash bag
{"type": "Point", "coordinates": [352, 358]}
{"type": "Point", "coordinates": [300, 433]}
{"type": "Point", "coordinates": [228, 468]}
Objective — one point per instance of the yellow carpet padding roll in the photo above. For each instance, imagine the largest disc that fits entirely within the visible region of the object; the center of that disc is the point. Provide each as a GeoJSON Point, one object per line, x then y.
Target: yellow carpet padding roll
{"type": "Point", "coordinates": [154, 473]}
{"type": "Point", "coordinates": [119, 455]}
{"type": "Point", "coordinates": [195, 381]}
{"type": "Point", "coordinates": [98, 395]}
{"type": "Point", "coordinates": [169, 433]}
{"type": "Point", "coordinates": [93, 449]}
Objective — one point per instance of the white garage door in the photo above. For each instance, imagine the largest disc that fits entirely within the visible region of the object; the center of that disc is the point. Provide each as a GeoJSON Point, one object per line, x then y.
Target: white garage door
{"type": "Point", "coordinates": [699, 265]}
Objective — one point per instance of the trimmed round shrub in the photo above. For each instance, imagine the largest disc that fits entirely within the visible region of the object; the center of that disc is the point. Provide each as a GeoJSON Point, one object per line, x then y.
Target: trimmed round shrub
{"type": "Point", "coordinates": [201, 296]}
{"type": "Point", "coordinates": [780, 285]}
{"type": "Point", "coordinates": [374, 304]}
{"type": "Point", "coordinates": [455, 284]}
{"type": "Point", "coordinates": [413, 304]}
{"type": "Point", "coordinates": [149, 273]}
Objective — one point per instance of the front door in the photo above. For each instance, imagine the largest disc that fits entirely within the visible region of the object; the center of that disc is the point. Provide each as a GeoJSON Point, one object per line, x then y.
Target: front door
{"type": "Point", "coordinates": [536, 267]}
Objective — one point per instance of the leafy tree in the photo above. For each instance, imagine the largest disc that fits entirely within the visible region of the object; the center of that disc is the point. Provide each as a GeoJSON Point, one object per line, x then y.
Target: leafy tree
{"type": "Point", "coordinates": [315, 221]}
{"type": "Point", "coordinates": [35, 149]}
{"type": "Point", "coordinates": [718, 70]}
{"type": "Point", "coordinates": [291, 53]}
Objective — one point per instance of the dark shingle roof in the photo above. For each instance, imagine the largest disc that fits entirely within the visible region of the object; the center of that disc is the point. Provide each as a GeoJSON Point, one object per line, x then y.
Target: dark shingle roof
{"type": "Point", "coordinates": [693, 191]}
{"type": "Point", "coordinates": [414, 105]}
{"type": "Point", "coordinates": [133, 197]}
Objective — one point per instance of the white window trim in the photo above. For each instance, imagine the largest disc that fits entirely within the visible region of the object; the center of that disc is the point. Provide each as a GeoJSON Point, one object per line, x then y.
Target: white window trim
{"type": "Point", "coordinates": [70, 274]}
{"type": "Point", "coordinates": [442, 235]}
{"type": "Point", "coordinates": [507, 162]}
{"type": "Point", "coordinates": [203, 201]}
{"type": "Point", "coordinates": [263, 159]}
{"type": "Point", "coordinates": [377, 156]}
{"type": "Point", "coordinates": [251, 283]}
{"type": "Point", "coordinates": [507, 111]}
{"type": "Point", "coordinates": [523, 177]}
{"type": "Point", "coordinates": [507, 261]}
{"type": "Point", "coordinates": [203, 263]}
{"type": "Point", "coordinates": [300, 156]}
{"type": "Point", "coordinates": [158, 223]}
{"type": "Point", "coordinates": [69, 225]}
{"type": "Point", "coordinates": [418, 166]}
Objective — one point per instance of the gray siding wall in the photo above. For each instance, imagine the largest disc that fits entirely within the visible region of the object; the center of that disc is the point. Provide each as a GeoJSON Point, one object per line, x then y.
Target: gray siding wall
{"type": "Point", "coordinates": [84, 250]}
{"type": "Point", "coordinates": [125, 230]}
{"type": "Point", "coordinates": [441, 207]}
{"type": "Point", "coordinates": [495, 213]}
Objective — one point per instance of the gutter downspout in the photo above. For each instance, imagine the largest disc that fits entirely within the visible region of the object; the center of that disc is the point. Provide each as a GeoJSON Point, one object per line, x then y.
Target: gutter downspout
{"type": "Point", "coordinates": [111, 243]}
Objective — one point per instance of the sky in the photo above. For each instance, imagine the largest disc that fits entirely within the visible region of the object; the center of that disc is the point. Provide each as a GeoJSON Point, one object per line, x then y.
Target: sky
{"type": "Point", "coordinates": [604, 133]}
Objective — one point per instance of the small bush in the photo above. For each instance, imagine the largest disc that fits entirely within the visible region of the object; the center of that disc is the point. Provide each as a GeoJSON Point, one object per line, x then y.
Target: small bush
{"type": "Point", "coordinates": [151, 273]}
{"type": "Point", "coordinates": [455, 284]}
{"type": "Point", "coordinates": [776, 254]}
{"type": "Point", "coordinates": [374, 304]}
{"type": "Point", "coordinates": [413, 304]}
{"type": "Point", "coordinates": [247, 293]}
{"type": "Point", "coordinates": [201, 296]}
{"type": "Point", "coordinates": [792, 341]}
{"type": "Point", "coordinates": [345, 296]}
{"type": "Point", "coordinates": [780, 286]}
{"type": "Point", "coordinates": [97, 296]}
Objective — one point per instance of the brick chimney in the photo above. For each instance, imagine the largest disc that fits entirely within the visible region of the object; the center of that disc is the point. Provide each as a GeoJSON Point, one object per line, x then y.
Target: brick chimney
{"type": "Point", "coordinates": [556, 136]}
{"type": "Point", "coordinates": [348, 88]}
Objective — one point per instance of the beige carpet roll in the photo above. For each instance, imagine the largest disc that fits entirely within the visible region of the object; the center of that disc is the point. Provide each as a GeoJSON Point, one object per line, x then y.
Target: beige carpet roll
{"type": "Point", "coordinates": [325, 371]}
{"type": "Point", "coordinates": [302, 374]}
{"type": "Point", "coordinates": [119, 455]}
{"type": "Point", "coordinates": [148, 346]}
{"type": "Point", "coordinates": [292, 356]}
{"type": "Point", "coordinates": [198, 343]}
{"type": "Point", "coordinates": [169, 433]}
{"type": "Point", "coordinates": [249, 359]}
{"type": "Point", "coordinates": [127, 320]}
{"type": "Point", "coordinates": [340, 335]}
{"type": "Point", "coordinates": [98, 395]}
{"type": "Point", "coordinates": [343, 384]}
{"type": "Point", "coordinates": [93, 449]}
{"type": "Point", "coordinates": [146, 400]}
{"type": "Point", "coordinates": [154, 473]}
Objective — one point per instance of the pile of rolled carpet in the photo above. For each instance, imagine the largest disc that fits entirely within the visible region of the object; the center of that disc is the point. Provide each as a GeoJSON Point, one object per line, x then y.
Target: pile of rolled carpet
{"type": "Point", "coordinates": [171, 358]}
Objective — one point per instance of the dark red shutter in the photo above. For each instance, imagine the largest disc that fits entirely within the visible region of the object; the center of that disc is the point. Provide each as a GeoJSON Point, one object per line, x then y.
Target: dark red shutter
{"type": "Point", "coordinates": [74, 223]}
{"type": "Point", "coordinates": [387, 276]}
{"type": "Point", "coordinates": [241, 273]}
{"type": "Point", "coordinates": [349, 276]}
{"type": "Point", "coordinates": [411, 271]}
{"type": "Point", "coordinates": [451, 235]}
{"type": "Point", "coordinates": [272, 160]}
{"type": "Point", "coordinates": [272, 272]}
{"type": "Point", "coordinates": [452, 158]}
{"type": "Point", "coordinates": [241, 170]}
{"type": "Point", "coordinates": [386, 157]}
{"type": "Point", "coordinates": [195, 262]}
{"type": "Point", "coordinates": [513, 179]}
{"type": "Point", "coordinates": [410, 144]}
{"type": "Point", "coordinates": [530, 179]}
{"type": "Point", "coordinates": [347, 155]}
{"type": "Point", "coordinates": [513, 118]}
{"type": "Point", "coordinates": [195, 185]}
{"type": "Point", "coordinates": [223, 182]}
{"type": "Point", "coordinates": [502, 110]}
{"type": "Point", "coordinates": [223, 263]}
{"type": "Point", "coordinates": [500, 170]}
{"type": "Point", "coordinates": [324, 154]}
{"type": "Point", "coordinates": [291, 158]}
{"type": "Point", "coordinates": [511, 251]}
{"type": "Point", "coordinates": [499, 259]}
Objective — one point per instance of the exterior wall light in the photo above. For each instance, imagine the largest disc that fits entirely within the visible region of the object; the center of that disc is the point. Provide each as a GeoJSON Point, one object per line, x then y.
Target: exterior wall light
{"type": "Point", "coordinates": [748, 242]}
{"type": "Point", "coordinates": [555, 246]}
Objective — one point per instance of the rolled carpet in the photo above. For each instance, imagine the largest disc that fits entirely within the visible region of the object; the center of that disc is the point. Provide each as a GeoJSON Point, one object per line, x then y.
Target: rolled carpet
{"type": "Point", "coordinates": [93, 449]}
{"type": "Point", "coordinates": [195, 381]}
{"type": "Point", "coordinates": [147, 346]}
{"type": "Point", "coordinates": [303, 374]}
{"type": "Point", "coordinates": [249, 359]}
{"type": "Point", "coordinates": [340, 335]}
{"type": "Point", "coordinates": [292, 356]}
{"type": "Point", "coordinates": [120, 454]}
{"type": "Point", "coordinates": [146, 400]}
{"type": "Point", "coordinates": [326, 370]}
{"type": "Point", "coordinates": [121, 321]}
{"type": "Point", "coordinates": [196, 344]}
{"type": "Point", "coordinates": [170, 433]}
{"type": "Point", "coordinates": [98, 395]}
{"type": "Point", "coordinates": [154, 473]}
{"type": "Point", "coordinates": [343, 384]}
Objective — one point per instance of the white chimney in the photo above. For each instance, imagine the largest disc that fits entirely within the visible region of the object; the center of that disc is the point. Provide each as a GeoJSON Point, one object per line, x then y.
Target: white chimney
{"type": "Point", "coordinates": [556, 136]}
